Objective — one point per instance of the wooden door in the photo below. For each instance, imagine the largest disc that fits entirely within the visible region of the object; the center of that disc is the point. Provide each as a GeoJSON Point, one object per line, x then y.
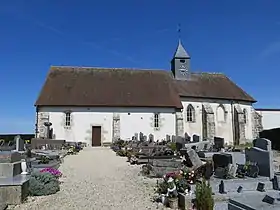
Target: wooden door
{"type": "Point", "coordinates": [96, 136]}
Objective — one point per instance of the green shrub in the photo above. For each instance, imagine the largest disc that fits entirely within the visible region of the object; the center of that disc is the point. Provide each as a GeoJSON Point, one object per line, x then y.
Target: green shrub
{"type": "Point", "coordinates": [172, 146]}
{"type": "Point", "coordinates": [204, 197]}
{"type": "Point", "coordinates": [43, 184]}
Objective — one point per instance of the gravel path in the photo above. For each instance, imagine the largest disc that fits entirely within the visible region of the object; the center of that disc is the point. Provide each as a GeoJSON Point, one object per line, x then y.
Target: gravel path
{"type": "Point", "coordinates": [97, 179]}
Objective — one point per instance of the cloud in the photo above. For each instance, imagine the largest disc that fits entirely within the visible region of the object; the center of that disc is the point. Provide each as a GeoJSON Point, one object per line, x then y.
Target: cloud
{"type": "Point", "coordinates": [271, 49]}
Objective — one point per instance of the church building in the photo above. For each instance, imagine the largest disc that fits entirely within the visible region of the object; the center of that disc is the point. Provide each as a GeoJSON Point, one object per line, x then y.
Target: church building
{"type": "Point", "coordinates": [99, 105]}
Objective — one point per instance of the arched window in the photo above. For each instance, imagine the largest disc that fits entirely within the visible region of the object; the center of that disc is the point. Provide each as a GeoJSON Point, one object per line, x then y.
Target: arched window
{"type": "Point", "coordinates": [221, 113]}
{"type": "Point", "coordinates": [190, 113]}
{"type": "Point", "coordinates": [156, 120]}
{"type": "Point", "coordinates": [67, 119]}
{"type": "Point", "coordinates": [245, 115]}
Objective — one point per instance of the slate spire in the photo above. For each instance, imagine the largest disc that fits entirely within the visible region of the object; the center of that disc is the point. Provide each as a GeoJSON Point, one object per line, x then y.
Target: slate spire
{"type": "Point", "coordinates": [180, 51]}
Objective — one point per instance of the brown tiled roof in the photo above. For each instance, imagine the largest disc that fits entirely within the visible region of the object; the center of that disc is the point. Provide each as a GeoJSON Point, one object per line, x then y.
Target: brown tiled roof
{"type": "Point", "coordinates": [81, 86]}
{"type": "Point", "coordinates": [211, 85]}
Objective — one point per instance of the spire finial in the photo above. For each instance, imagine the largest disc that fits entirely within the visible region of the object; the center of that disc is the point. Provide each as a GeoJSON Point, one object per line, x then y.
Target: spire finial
{"type": "Point", "coordinates": [179, 32]}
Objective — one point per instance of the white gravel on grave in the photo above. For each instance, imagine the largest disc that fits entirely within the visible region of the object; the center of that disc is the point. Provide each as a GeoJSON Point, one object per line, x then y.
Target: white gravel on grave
{"type": "Point", "coordinates": [97, 179]}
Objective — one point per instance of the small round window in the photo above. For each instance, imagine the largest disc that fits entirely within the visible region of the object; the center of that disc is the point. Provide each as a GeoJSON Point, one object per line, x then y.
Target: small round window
{"type": "Point", "coordinates": [182, 61]}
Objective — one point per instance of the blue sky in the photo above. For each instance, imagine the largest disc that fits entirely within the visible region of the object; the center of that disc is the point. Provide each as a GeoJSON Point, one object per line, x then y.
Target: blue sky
{"type": "Point", "coordinates": [239, 38]}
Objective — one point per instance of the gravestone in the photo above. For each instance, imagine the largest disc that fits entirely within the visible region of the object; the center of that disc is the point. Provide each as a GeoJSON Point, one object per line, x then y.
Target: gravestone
{"type": "Point", "coordinates": [136, 136]}
{"type": "Point", "coordinates": [195, 138]}
{"type": "Point", "coordinates": [262, 155]}
{"type": "Point", "coordinates": [193, 157]}
{"type": "Point", "coordinates": [168, 139]}
{"type": "Point", "coordinates": [222, 160]}
{"type": "Point", "coordinates": [179, 143]}
{"type": "Point", "coordinates": [151, 137]}
{"type": "Point", "coordinates": [260, 187]}
{"type": "Point", "coordinates": [187, 137]}
{"type": "Point", "coordinates": [268, 199]}
{"type": "Point", "coordinates": [219, 143]}
{"type": "Point", "coordinates": [19, 143]}
{"type": "Point", "coordinates": [141, 136]}
{"type": "Point", "coordinates": [239, 190]}
{"type": "Point", "coordinates": [10, 164]}
{"type": "Point", "coordinates": [232, 170]}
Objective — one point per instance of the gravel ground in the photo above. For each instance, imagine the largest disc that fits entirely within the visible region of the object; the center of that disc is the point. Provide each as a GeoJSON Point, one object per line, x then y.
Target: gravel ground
{"type": "Point", "coordinates": [97, 179]}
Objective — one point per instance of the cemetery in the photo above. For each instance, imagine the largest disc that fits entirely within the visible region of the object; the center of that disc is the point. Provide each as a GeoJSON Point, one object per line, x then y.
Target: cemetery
{"type": "Point", "coordinates": [184, 172]}
{"type": "Point", "coordinates": [194, 174]}
{"type": "Point", "coordinates": [30, 169]}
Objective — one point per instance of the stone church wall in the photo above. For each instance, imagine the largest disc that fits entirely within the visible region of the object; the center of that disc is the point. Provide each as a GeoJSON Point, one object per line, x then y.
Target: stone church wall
{"type": "Point", "coordinates": [218, 125]}
{"type": "Point", "coordinates": [115, 123]}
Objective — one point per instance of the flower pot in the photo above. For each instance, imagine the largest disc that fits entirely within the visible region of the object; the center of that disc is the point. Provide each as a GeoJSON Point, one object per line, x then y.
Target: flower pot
{"type": "Point", "coordinates": [23, 167]}
{"type": "Point", "coordinates": [173, 203]}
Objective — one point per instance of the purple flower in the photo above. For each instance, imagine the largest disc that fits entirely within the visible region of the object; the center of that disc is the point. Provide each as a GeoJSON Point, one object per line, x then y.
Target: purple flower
{"type": "Point", "coordinates": [52, 171]}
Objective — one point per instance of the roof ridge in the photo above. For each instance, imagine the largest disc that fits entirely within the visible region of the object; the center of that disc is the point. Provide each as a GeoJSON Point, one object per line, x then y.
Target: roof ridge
{"type": "Point", "coordinates": [102, 68]}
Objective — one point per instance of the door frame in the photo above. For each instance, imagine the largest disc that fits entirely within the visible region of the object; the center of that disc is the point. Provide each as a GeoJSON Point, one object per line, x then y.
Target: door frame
{"type": "Point", "coordinates": [92, 133]}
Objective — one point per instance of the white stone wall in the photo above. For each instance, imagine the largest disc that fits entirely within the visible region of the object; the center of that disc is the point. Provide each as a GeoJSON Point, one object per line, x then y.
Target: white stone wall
{"type": "Point", "coordinates": [135, 120]}
{"type": "Point", "coordinates": [270, 118]}
{"type": "Point", "coordinates": [223, 128]}
{"type": "Point", "coordinates": [132, 120]}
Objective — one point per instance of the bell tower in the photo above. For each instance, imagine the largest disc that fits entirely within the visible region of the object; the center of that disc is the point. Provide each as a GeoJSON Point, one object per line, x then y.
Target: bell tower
{"type": "Point", "coordinates": [180, 63]}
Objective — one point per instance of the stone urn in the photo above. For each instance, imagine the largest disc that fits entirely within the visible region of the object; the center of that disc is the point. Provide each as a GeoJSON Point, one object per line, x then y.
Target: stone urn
{"type": "Point", "coordinates": [23, 167]}
{"type": "Point", "coordinates": [173, 203]}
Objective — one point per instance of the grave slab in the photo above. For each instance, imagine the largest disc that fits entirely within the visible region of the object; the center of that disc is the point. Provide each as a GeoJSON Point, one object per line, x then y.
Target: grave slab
{"type": "Point", "coordinates": [253, 202]}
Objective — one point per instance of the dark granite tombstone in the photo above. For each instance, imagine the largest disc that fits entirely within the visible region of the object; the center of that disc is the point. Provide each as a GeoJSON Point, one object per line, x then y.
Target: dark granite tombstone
{"type": "Point", "coordinates": [222, 160]}
{"type": "Point", "coordinates": [268, 199]}
{"type": "Point", "coordinates": [220, 173]}
{"type": "Point", "coordinates": [219, 143]}
{"type": "Point", "coordinates": [195, 138]}
{"type": "Point", "coordinates": [260, 187]}
{"type": "Point", "coordinates": [239, 190]}
{"type": "Point", "coordinates": [261, 154]}
{"type": "Point", "coordinates": [208, 171]}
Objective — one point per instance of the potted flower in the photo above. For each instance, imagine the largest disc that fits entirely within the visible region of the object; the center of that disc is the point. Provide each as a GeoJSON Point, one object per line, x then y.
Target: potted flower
{"type": "Point", "coordinates": [172, 194]}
